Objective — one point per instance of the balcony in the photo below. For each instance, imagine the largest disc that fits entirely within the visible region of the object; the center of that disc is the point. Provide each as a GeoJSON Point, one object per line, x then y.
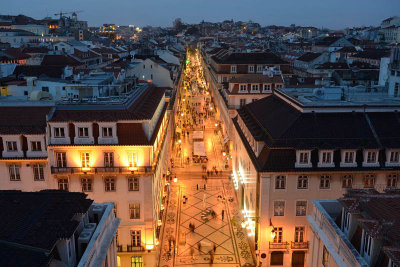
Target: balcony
{"type": "Point", "coordinates": [282, 245]}
{"type": "Point", "coordinates": [299, 245]}
{"type": "Point", "coordinates": [120, 248]}
{"type": "Point", "coordinates": [134, 249]}
{"type": "Point", "coordinates": [95, 170]}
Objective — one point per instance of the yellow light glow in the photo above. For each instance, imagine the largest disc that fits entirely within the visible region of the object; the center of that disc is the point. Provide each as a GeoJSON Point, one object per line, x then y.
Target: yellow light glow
{"type": "Point", "coordinates": [224, 154]}
{"type": "Point", "coordinates": [216, 124]}
{"type": "Point", "coordinates": [273, 234]}
{"type": "Point", "coordinates": [179, 141]}
{"type": "Point", "coordinates": [243, 224]}
{"type": "Point", "coordinates": [175, 180]}
{"type": "Point", "coordinates": [149, 246]}
{"type": "Point", "coordinates": [86, 169]}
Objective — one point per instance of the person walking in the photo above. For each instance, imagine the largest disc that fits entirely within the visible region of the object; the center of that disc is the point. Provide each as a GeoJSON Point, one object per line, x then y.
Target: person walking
{"type": "Point", "coordinates": [223, 215]}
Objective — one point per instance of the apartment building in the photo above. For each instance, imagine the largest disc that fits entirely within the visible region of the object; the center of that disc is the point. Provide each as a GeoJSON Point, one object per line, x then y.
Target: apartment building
{"type": "Point", "coordinates": [298, 145]}
{"type": "Point", "coordinates": [394, 73]}
{"type": "Point", "coordinates": [56, 228]}
{"type": "Point", "coordinates": [112, 149]}
{"type": "Point", "coordinates": [359, 229]}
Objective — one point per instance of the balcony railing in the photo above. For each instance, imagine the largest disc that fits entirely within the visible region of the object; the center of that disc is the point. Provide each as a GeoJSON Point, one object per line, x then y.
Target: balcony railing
{"type": "Point", "coordinates": [299, 245]}
{"type": "Point", "coordinates": [282, 245]}
{"type": "Point", "coordinates": [119, 248]}
{"type": "Point", "coordinates": [78, 170]}
{"type": "Point", "coordinates": [134, 249]}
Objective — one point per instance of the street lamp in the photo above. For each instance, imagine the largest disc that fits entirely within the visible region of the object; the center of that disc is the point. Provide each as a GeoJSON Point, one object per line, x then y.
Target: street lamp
{"type": "Point", "coordinates": [273, 233]}
{"type": "Point", "coordinates": [175, 179]}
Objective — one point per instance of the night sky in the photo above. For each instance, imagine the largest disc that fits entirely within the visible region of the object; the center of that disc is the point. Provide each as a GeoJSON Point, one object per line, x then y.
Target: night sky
{"type": "Point", "coordinates": [334, 14]}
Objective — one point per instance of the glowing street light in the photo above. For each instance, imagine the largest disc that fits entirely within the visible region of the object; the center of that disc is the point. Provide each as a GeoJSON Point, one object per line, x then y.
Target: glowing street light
{"type": "Point", "coordinates": [175, 179]}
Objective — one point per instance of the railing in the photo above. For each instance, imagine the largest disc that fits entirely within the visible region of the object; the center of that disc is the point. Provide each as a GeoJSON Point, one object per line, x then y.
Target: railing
{"type": "Point", "coordinates": [134, 249]}
{"type": "Point", "coordinates": [119, 248]}
{"type": "Point", "coordinates": [299, 245]}
{"type": "Point", "coordinates": [78, 170]}
{"type": "Point", "coordinates": [283, 245]}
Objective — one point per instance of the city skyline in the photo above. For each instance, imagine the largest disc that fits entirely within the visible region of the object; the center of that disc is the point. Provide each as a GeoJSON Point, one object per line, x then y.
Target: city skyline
{"type": "Point", "coordinates": [156, 13]}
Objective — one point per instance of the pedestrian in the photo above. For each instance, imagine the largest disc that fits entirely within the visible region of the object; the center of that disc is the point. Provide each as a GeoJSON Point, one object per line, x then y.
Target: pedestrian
{"type": "Point", "coordinates": [199, 247]}
{"type": "Point", "coordinates": [223, 215]}
{"type": "Point", "coordinates": [205, 186]}
{"type": "Point", "coordinates": [197, 186]}
{"type": "Point", "coordinates": [192, 252]}
{"type": "Point", "coordinates": [214, 247]}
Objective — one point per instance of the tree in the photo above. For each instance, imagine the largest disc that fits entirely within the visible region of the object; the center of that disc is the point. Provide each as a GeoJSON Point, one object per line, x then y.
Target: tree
{"type": "Point", "coordinates": [177, 24]}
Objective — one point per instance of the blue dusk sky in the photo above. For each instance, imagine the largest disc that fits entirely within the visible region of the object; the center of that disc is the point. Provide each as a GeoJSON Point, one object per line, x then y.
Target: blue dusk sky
{"type": "Point", "coordinates": [334, 14]}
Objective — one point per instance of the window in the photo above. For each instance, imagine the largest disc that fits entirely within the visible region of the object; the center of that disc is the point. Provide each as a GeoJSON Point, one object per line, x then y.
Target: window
{"type": "Point", "coordinates": [87, 184]}
{"type": "Point", "coordinates": [136, 239]}
{"type": "Point", "coordinates": [242, 102]}
{"type": "Point", "coordinates": [134, 211]}
{"type": "Point", "coordinates": [254, 87]}
{"type": "Point", "coordinates": [109, 184]}
{"type": "Point", "coordinates": [280, 182]}
{"type": "Point", "coordinates": [136, 261]}
{"type": "Point", "coordinates": [391, 181]}
{"type": "Point", "coordinates": [115, 214]}
{"type": "Point", "coordinates": [299, 234]}
{"type": "Point", "coordinates": [325, 257]}
{"type": "Point", "coordinates": [133, 184]}
{"type": "Point", "coordinates": [14, 172]}
{"type": "Point", "coordinates": [38, 172]}
{"type": "Point", "coordinates": [233, 68]}
{"type": "Point", "coordinates": [243, 88]}
{"type": "Point", "coordinates": [59, 132]}
{"type": "Point", "coordinates": [371, 157]}
{"type": "Point", "coordinates": [63, 184]}
{"type": "Point", "coordinates": [326, 157]}
{"type": "Point", "coordinates": [279, 208]}
{"type": "Point", "coordinates": [346, 220]}
{"type": "Point", "coordinates": [349, 157]}
{"type": "Point", "coordinates": [367, 244]}
{"type": "Point", "coordinates": [276, 258]}
{"type": "Point", "coordinates": [36, 146]}
{"type": "Point", "coordinates": [11, 146]}
{"type": "Point", "coordinates": [279, 86]}
{"type": "Point", "coordinates": [259, 68]}
{"type": "Point", "coordinates": [61, 158]}
{"type": "Point", "coordinates": [301, 208]}
{"type": "Point", "coordinates": [369, 181]}
{"type": "Point", "coordinates": [394, 157]}
{"type": "Point", "coordinates": [267, 87]}
{"type": "Point", "coordinates": [83, 132]}
{"type": "Point", "coordinates": [108, 159]}
{"type": "Point", "coordinates": [251, 68]}
{"type": "Point", "coordinates": [304, 157]}
{"type": "Point", "coordinates": [132, 159]}
{"type": "Point", "coordinates": [347, 181]}
{"type": "Point", "coordinates": [107, 132]}
{"type": "Point", "coordinates": [45, 88]}
{"type": "Point", "coordinates": [85, 159]}
{"type": "Point", "coordinates": [302, 182]}
{"type": "Point", "coordinates": [325, 182]}
{"type": "Point", "coordinates": [278, 235]}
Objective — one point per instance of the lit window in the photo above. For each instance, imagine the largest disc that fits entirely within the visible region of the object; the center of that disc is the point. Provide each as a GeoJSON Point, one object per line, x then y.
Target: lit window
{"type": "Point", "coordinates": [299, 234]}
{"type": "Point", "coordinates": [133, 184]}
{"type": "Point", "coordinates": [132, 159]}
{"type": "Point", "coordinates": [347, 181]}
{"type": "Point", "coordinates": [279, 208]}
{"type": "Point", "coordinates": [85, 159]}
{"type": "Point", "coordinates": [11, 146]}
{"type": "Point", "coordinates": [83, 132]}
{"type": "Point", "coordinates": [369, 181]}
{"type": "Point", "coordinates": [136, 261]}
{"type": "Point", "coordinates": [301, 208]}
{"type": "Point", "coordinates": [278, 235]}
{"type": "Point", "coordinates": [59, 132]}
{"type": "Point", "coordinates": [325, 182]}
{"type": "Point", "coordinates": [280, 182]}
{"type": "Point", "coordinates": [136, 238]}
{"type": "Point", "coordinates": [38, 172]}
{"type": "Point", "coordinates": [109, 184]}
{"type": "Point", "coordinates": [107, 132]}
{"type": "Point", "coordinates": [14, 171]}
{"type": "Point", "coordinates": [61, 158]}
{"type": "Point", "coordinates": [108, 159]}
{"type": "Point", "coordinates": [302, 182]}
{"type": "Point", "coordinates": [134, 211]}
{"type": "Point", "coordinates": [36, 146]}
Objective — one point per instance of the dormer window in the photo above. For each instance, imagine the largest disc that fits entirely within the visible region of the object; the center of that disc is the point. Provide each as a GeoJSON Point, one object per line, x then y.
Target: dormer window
{"type": "Point", "coordinates": [59, 132]}
{"type": "Point", "coordinates": [325, 159]}
{"type": "Point", "coordinates": [251, 68]}
{"type": "Point", "coordinates": [83, 132]}
{"type": "Point", "coordinates": [370, 158]}
{"type": "Point", "coordinates": [254, 87]}
{"type": "Point", "coordinates": [348, 158]}
{"type": "Point", "coordinates": [233, 68]}
{"type": "Point", "coordinates": [259, 68]}
{"type": "Point", "coordinates": [267, 87]}
{"type": "Point", "coordinates": [392, 157]}
{"type": "Point", "coordinates": [243, 88]}
{"type": "Point", "coordinates": [366, 245]}
{"type": "Point", "coordinates": [107, 132]}
{"type": "Point", "coordinates": [303, 159]}
{"type": "Point", "coordinates": [12, 146]}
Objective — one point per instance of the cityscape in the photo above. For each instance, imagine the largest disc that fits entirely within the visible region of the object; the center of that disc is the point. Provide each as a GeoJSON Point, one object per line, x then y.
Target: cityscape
{"type": "Point", "coordinates": [210, 143]}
